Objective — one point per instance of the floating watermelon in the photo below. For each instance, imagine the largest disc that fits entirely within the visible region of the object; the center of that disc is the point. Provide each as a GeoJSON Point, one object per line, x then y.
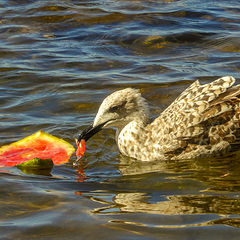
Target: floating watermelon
{"type": "Point", "coordinates": [39, 145]}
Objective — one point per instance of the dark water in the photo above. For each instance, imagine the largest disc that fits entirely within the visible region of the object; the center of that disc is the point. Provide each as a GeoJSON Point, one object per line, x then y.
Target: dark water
{"type": "Point", "coordinates": [58, 60]}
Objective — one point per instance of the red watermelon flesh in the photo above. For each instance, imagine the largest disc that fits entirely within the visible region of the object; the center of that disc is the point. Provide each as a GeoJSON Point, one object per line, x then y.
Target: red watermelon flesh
{"type": "Point", "coordinates": [39, 145]}
{"type": "Point", "coordinates": [80, 148]}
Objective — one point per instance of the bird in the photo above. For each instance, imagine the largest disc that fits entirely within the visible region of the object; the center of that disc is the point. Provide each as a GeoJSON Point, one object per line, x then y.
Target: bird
{"type": "Point", "coordinates": [202, 122]}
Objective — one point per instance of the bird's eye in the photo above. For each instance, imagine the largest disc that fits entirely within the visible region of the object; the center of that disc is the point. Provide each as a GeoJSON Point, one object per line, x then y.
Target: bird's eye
{"type": "Point", "coordinates": [114, 109]}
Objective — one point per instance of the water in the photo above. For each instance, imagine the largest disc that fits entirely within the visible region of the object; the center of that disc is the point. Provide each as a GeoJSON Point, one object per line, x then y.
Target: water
{"type": "Point", "coordinates": [58, 60]}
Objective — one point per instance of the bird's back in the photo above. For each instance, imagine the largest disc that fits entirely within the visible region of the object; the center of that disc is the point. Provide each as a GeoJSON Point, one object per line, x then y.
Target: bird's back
{"type": "Point", "coordinates": [203, 121]}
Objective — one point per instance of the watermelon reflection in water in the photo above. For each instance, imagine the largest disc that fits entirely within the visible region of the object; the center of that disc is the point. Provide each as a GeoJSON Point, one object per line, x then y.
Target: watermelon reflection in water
{"type": "Point", "coordinates": [39, 145]}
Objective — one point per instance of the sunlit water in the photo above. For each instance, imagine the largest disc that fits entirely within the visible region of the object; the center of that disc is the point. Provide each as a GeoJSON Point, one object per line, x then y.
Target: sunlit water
{"type": "Point", "coordinates": [58, 60]}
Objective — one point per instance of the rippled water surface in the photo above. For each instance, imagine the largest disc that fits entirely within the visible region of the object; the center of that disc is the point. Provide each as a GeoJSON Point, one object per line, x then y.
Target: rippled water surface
{"type": "Point", "coordinates": [58, 60]}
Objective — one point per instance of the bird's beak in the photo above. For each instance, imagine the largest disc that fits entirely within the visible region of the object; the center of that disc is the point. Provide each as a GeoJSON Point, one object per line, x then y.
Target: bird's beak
{"type": "Point", "coordinates": [89, 132]}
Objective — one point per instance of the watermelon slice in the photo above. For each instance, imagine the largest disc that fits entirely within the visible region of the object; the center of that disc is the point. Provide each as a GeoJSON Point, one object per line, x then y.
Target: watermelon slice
{"type": "Point", "coordinates": [39, 145]}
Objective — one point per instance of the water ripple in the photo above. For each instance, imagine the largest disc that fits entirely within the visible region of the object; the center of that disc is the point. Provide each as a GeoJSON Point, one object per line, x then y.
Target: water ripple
{"type": "Point", "coordinates": [58, 60]}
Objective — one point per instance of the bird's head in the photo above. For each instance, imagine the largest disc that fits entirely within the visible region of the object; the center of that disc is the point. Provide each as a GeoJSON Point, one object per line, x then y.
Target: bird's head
{"type": "Point", "coordinates": [117, 110]}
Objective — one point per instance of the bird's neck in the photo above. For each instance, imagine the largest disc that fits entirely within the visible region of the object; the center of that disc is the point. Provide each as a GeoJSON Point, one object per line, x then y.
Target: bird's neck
{"type": "Point", "coordinates": [130, 139]}
{"type": "Point", "coordinates": [140, 120]}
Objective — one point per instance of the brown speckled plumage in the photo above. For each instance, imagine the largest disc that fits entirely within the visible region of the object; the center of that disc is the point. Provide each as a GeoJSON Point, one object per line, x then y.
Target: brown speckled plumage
{"type": "Point", "coordinates": [203, 121]}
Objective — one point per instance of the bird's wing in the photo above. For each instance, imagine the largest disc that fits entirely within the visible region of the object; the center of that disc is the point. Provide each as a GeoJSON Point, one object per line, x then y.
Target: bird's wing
{"type": "Point", "coordinates": [195, 111]}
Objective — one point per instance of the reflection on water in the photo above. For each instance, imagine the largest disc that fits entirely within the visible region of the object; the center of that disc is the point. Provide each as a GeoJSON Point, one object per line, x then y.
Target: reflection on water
{"type": "Point", "coordinates": [176, 178]}
{"type": "Point", "coordinates": [58, 60]}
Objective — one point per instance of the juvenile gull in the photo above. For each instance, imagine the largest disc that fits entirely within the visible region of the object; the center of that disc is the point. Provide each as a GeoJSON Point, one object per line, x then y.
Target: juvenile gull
{"type": "Point", "coordinates": [203, 121]}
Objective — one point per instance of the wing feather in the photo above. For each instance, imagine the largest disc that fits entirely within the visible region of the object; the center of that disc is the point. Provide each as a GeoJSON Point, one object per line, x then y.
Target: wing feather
{"type": "Point", "coordinates": [196, 111]}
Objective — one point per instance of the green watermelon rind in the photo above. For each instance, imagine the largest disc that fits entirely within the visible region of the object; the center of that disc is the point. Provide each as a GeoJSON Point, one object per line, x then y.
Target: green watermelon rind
{"type": "Point", "coordinates": [36, 163]}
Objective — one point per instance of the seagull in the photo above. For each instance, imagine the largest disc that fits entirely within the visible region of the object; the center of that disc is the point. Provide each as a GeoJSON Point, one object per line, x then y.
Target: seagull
{"type": "Point", "coordinates": [203, 121]}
